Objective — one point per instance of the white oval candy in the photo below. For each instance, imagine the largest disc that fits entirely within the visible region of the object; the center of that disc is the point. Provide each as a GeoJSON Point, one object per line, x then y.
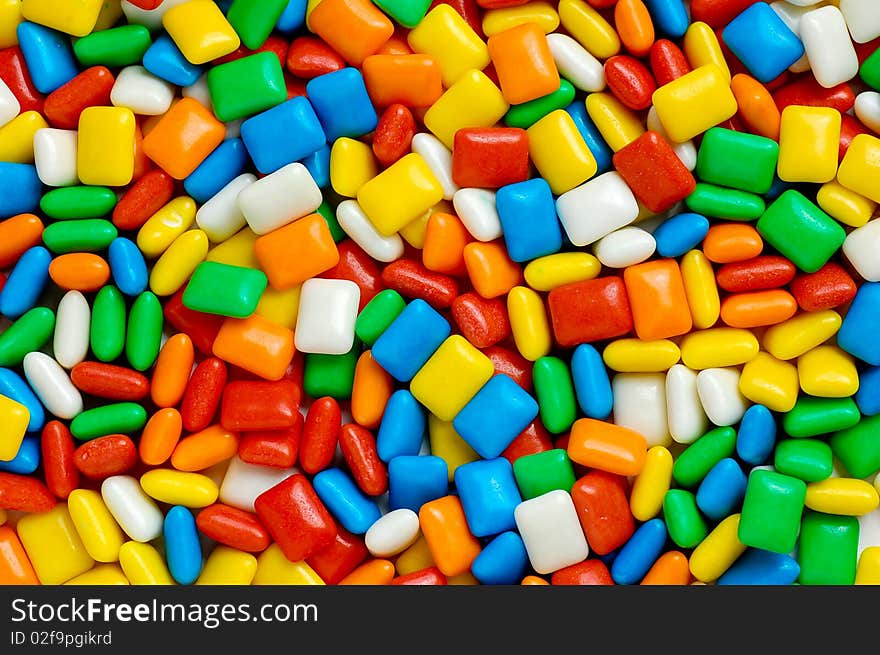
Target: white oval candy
{"type": "Point", "coordinates": [862, 247]}
{"type": "Point", "coordinates": [327, 312]}
{"type": "Point", "coordinates": [477, 212]}
{"type": "Point", "coordinates": [863, 19]}
{"type": "Point", "coordinates": [720, 397]}
{"type": "Point", "coordinates": [791, 16]}
{"type": "Point", "coordinates": [640, 405]}
{"type": "Point", "coordinates": [439, 160]}
{"type": "Point", "coordinates": [828, 46]}
{"type": "Point", "coordinates": [687, 420]}
{"type": "Point", "coordinates": [220, 217]}
{"type": "Point", "coordinates": [52, 385]}
{"type": "Point", "coordinates": [55, 156]}
{"type": "Point", "coordinates": [393, 533]}
{"type": "Point", "coordinates": [135, 512]}
{"type": "Point", "coordinates": [625, 247]}
{"type": "Point", "coordinates": [243, 482]}
{"type": "Point", "coordinates": [867, 108]}
{"type": "Point", "coordinates": [685, 151]}
{"type": "Point", "coordinates": [279, 198]}
{"type": "Point", "coordinates": [596, 208]}
{"type": "Point", "coordinates": [141, 91]}
{"type": "Point", "coordinates": [551, 531]}
{"type": "Point", "coordinates": [71, 341]}
{"type": "Point", "coordinates": [354, 223]}
{"type": "Point", "coordinates": [576, 64]}
{"type": "Point", "coordinates": [9, 105]}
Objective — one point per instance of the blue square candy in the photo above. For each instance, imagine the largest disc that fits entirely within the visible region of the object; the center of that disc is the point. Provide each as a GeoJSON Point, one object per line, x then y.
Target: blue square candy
{"type": "Point", "coordinates": [528, 219]}
{"type": "Point", "coordinates": [415, 480]}
{"type": "Point", "coordinates": [282, 135]}
{"type": "Point", "coordinates": [762, 42]}
{"type": "Point", "coordinates": [489, 495]}
{"type": "Point", "coordinates": [410, 340]}
{"type": "Point", "coordinates": [342, 103]}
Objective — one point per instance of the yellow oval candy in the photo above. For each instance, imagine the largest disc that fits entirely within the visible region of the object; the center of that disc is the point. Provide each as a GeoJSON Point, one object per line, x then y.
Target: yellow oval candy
{"type": "Point", "coordinates": [718, 551]}
{"type": "Point", "coordinates": [868, 571]}
{"type": "Point", "coordinates": [828, 372]}
{"type": "Point", "coordinates": [143, 565]}
{"type": "Point", "coordinates": [177, 263]}
{"type": "Point", "coordinates": [701, 47]}
{"type": "Point", "coordinates": [637, 356]}
{"type": "Point", "coordinates": [528, 323]}
{"type": "Point", "coordinates": [848, 207]}
{"type": "Point", "coordinates": [718, 347]}
{"type": "Point", "coordinates": [588, 27]}
{"type": "Point", "coordinates": [797, 335]}
{"type": "Point", "coordinates": [179, 487]}
{"type": "Point", "coordinates": [102, 575]}
{"type": "Point", "coordinates": [228, 566]}
{"type": "Point", "coordinates": [547, 273]}
{"type": "Point", "coordinates": [163, 227]}
{"type": "Point", "coordinates": [541, 13]}
{"type": "Point", "coordinates": [651, 485]}
{"type": "Point", "coordinates": [769, 381]}
{"type": "Point", "coordinates": [351, 166]}
{"type": "Point", "coordinates": [617, 123]}
{"type": "Point", "coordinates": [273, 568]}
{"type": "Point", "coordinates": [842, 496]}
{"type": "Point", "coordinates": [100, 534]}
{"type": "Point", "coordinates": [700, 289]}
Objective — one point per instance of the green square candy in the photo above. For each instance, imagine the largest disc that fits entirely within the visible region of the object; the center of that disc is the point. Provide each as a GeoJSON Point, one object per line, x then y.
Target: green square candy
{"type": "Point", "coordinates": [331, 375]}
{"type": "Point", "coordinates": [543, 472]}
{"type": "Point", "coordinates": [408, 13]}
{"type": "Point", "coordinates": [223, 289]}
{"type": "Point", "coordinates": [738, 160]}
{"type": "Point", "coordinates": [771, 512]}
{"type": "Point", "coordinates": [828, 549]}
{"type": "Point", "coordinates": [246, 86]}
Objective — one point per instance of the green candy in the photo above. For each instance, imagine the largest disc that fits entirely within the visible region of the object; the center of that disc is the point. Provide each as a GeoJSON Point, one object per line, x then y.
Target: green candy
{"type": "Point", "coordinates": [811, 416]}
{"type": "Point", "coordinates": [771, 512]}
{"type": "Point", "coordinates": [78, 202]}
{"type": "Point", "coordinates": [377, 315]}
{"type": "Point", "coordinates": [329, 215]}
{"type": "Point", "coordinates": [246, 86]}
{"type": "Point", "coordinates": [807, 459]}
{"type": "Point", "coordinates": [119, 418]}
{"type": "Point", "coordinates": [801, 231]}
{"type": "Point", "coordinates": [408, 13]}
{"type": "Point", "coordinates": [870, 70]}
{"type": "Point", "coordinates": [738, 160]}
{"type": "Point", "coordinates": [555, 392]}
{"type": "Point", "coordinates": [828, 550]}
{"type": "Point", "coordinates": [730, 204]}
{"type": "Point", "coordinates": [85, 235]}
{"type": "Point", "coordinates": [543, 472]}
{"type": "Point", "coordinates": [331, 375]}
{"type": "Point", "coordinates": [686, 526]}
{"type": "Point", "coordinates": [30, 332]}
{"type": "Point", "coordinates": [254, 20]}
{"type": "Point", "coordinates": [697, 459]}
{"type": "Point", "coordinates": [529, 113]}
{"type": "Point", "coordinates": [144, 336]}
{"type": "Point", "coordinates": [858, 447]}
{"type": "Point", "coordinates": [107, 329]}
{"type": "Point", "coordinates": [118, 46]}
{"type": "Point", "coordinates": [225, 290]}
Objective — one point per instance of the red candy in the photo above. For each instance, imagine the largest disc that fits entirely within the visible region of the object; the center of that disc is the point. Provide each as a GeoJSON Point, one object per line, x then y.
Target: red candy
{"type": "Point", "coordinates": [109, 381]}
{"type": "Point", "coordinates": [429, 576]}
{"type": "Point", "coordinates": [359, 449]}
{"type": "Point", "coordinates": [320, 435]}
{"type": "Point", "coordinates": [233, 527]}
{"type": "Point", "coordinates": [105, 456]}
{"type": "Point", "coordinates": [591, 310]}
{"type": "Point", "coordinates": [260, 405]}
{"type": "Point", "coordinates": [468, 10]}
{"type": "Point", "coordinates": [829, 287]}
{"type": "Point", "coordinates": [339, 558]}
{"type": "Point", "coordinates": [490, 157]}
{"type": "Point", "coordinates": [309, 57]}
{"type": "Point", "coordinates": [276, 448]}
{"type": "Point", "coordinates": [357, 266]}
{"type": "Point", "coordinates": [602, 505]}
{"type": "Point", "coordinates": [482, 322]}
{"type": "Point", "coordinates": [850, 128]}
{"type": "Point", "coordinates": [203, 393]}
{"type": "Point", "coordinates": [512, 364]}
{"type": "Point", "coordinates": [24, 494]}
{"type": "Point", "coordinates": [589, 572]}
{"type": "Point", "coordinates": [534, 439]}
{"type": "Point", "coordinates": [14, 72]}
{"type": "Point", "coordinates": [394, 134]}
{"type": "Point", "coordinates": [654, 172]}
{"type": "Point", "coordinates": [806, 91]}
{"type": "Point", "coordinates": [59, 469]}
{"type": "Point", "coordinates": [668, 62]}
{"type": "Point", "coordinates": [630, 81]}
{"type": "Point", "coordinates": [91, 88]}
{"type": "Point", "coordinates": [143, 199]}
{"type": "Point", "coordinates": [412, 280]}
{"type": "Point", "coordinates": [717, 13]}
{"type": "Point", "coordinates": [762, 272]}
{"type": "Point", "coordinates": [146, 4]}
{"type": "Point", "coordinates": [201, 328]}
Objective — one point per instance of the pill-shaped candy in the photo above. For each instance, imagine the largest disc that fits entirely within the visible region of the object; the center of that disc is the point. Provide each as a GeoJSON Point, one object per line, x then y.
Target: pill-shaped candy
{"type": "Point", "coordinates": [134, 511]}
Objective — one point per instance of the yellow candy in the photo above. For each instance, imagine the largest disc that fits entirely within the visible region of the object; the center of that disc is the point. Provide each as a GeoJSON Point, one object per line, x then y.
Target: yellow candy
{"type": "Point", "coordinates": [10, 17]}
{"type": "Point", "coordinates": [809, 139]}
{"type": "Point", "coordinates": [228, 566]}
{"type": "Point", "coordinates": [448, 445]}
{"type": "Point", "coordinates": [53, 545]}
{"type": "Point", "coordinates": [415, 558]}
{"type": "Point", "coordinates": [860, 167]}
{"type": "Point", "coordinates": [100, 534]}
{"type": "Point", "coordinates": [473, 101]}
{"type": "Point", "coordinates": [143, 565]}
{"type": "Point", "coordinates": [637, 356]}
{"type": "Point", "coordinates": [163, 227]}
{"type": "Point", "coordinates": [618, 124]}
{"type": "Point", "coordinates": [110, 13]}
{"type": "Point", "coordinates": [718, 347]}
{"type": "Point", "coordinates": [451, 377]}
{"type": "Point", "coordinates": [17, 137]}
{"type": "Point", "coordinates": [770, 382]}
{"type": "Point", "coordinates": [446, 36]}
{"type": "Point", "coordinates": [797, 335]}
{"type": "Point", "coordinates": [547, 273]}
{"type": "Point", "coordinates": [280, 307]}
{"type": "Point", "coordinates": [842, 496]}
{"type": "Point", "coordinates": [541, 13]}
{"type": "Point", "coordinates": [400, 194]}
{"type": "Point", "coordinates": [844, 205]}
{"type": "Point", "coordinates": [700, 289]}
{"type": "Point", "coordinates": [237, 250]}
{"type": "Point", "coordinates": [701, 47]}
{"type": "Point", "coordinates": [718, 551]}
{"type": "Point", "coordinates": [179, 488]}
{"type": "Point", "coordinates": [462, 579]}
{"type": "Point", "coordinates": [588, 27]}
{"type": "Point", "coordinates": [650, 486]}
{"type": "Point", "coordinates": [200, 31]}
{"type": "Point", "coordinates": [102, 575]}
{"type": "Point", "coordinates": [528, 323]}
{"type": "Point", "coordinates": [105, 146]}
{"type": "Point", "coordinates": [273, 568]}
{"type": "Point", "coordinates": [559, 152]}
{"type": "Point", "coordinates": [868, 571]}
{"type": "Point", "coordinates": [76, 17]}
{"type": "Point", "coordinates": [694, 102]}
{"type": "Point", "coordinates": [351, 166]}
{"type": "Point", "coordinates": [828, 372]}
{"type": "Point", "coordinates": [414, 232]}
{"type": "Point", "coordinates": [14, 417]}
{"type": "Point", "coordinates": [176, 265]}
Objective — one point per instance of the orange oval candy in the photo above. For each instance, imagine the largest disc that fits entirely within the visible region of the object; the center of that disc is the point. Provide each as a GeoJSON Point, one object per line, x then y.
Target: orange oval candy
{"type": "Point", "coordinates": [374, 572]}
{"type": "Point", "coordinates": [80, 271]}
{"type": "Point", "coordinates": [160, 436]}
{"type": "Point", "coordinates": [607, 447]}
{"type": "Point", "coordinates": [17, 234]}
{"type": "Point", "coordinates": [204, 449]}
{"type": "Point", "coordinates": [756, 106]}
{"type": "Point", "coordinates": [453, 548]}
{"type": "Point", "coordinates": [732, 242]}
{"type": "Point", "coordinates": [633, 24]}
{"type": "Point", "coordinates": [370, 392]}
{"type": "Point", "coordinates": [748, 310]}
{"type": "Point", "coordinates": [172, 371]}
{"type": "Point", "coordinates": [670, 569]}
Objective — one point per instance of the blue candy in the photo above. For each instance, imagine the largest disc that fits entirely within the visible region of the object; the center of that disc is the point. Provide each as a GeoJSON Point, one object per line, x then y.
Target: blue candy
{"type": "Point", "coordinates": [591, 385]}
{"type": "Point", "coordinates": [669, 16]}
{"type": "Point", "coordinates": [410, 340]}
{"type": "Point", "coordinates": [348, 504]}
{"type": "Point", "coordinates": [868, 395]}
{"type": "Point", "coordinates": [528, 219]}
{"type": "Point", "coordinates": [495, 416]}
{"type": "Point", "coordinates": [756, 436]}
{"type": "Point", "coordinates": [293, 17]}
{"type": "Point", "coordinates": [762, 42]}
{"type": "Point", "coordinates": [638, 555]}
{"type": "Point", "coordinates": [283, 134]}
{"type": "Point", "coordinates": [402, 428]}
{"type": "Point", "coordinates": [502, 561]}
{"type": "Point", "coordinates": [489, 495]}
{"type": "Point", "coordinates": [722, 490]}
{"type": "Point", "coordinates": [859, 330]}
{"type": "Point", "coordinates": [762, 567]}
{"type": "Point", "coordinates": [182, 548]}
{"type": "Point", "coordinates": [680, 233]}
{"type": "Point", "coordinates": [26, 282]}
{"type": "Point", "coordinates": [341, 101]}
{"type": "Point", "coordinates": [318, 166]}
{"type": "Point", "coordinates": [414, 480]}
{"type": "Point", "coordinates": [128, 267]}
{"type": "Point", "coordinates": [13, 386]}
{"type": "Point", "coordinates": [26, 460]}
{"type": "Point", "coordinates": [602, 152]}
{"type": "Point", "coordinates": [48, 55]}
{"type": "Point", "coordinates": [164, 60]}
{"type": "Point", "coordinates": [20, 189]}
{"type": "Point", "coordinates": [778, 188]}
{"type": "Point", "coordinates": [217, 170]}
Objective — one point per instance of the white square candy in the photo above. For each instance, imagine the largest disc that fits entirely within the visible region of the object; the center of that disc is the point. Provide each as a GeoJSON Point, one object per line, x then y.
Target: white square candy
{"type": "Point", "coordinates": [327, 312]}
{"type": "Point", "coordinates": [280, 198]}
{"type": "Point", "coordinates": [720, 396]}
{"type": "Point", "coordinates": [55, 156]}
{"type": "Point", "coordinates": [640, 405]}
{"type": "Point", "coordinates": [141, 91]}
{"type": "Point", "coordinates": [551, 531]}
{"type": "Point", "coordinates": [596, 208]}
{"type": "Point", "coordinates": [861, 248]}
{"type": "Point", "coordinates": [243, 482]}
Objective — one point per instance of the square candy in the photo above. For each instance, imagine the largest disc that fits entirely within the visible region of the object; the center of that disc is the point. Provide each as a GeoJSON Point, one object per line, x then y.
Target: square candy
{"type": "Point", "coordinates": [762, 42]}
{"type": "Point", "coordinates": [280, 198]}
{"type": "Point", "coordinates": [551, 532]}
{"type": "Point", "coordinates": [489, 495]}
{"type": "Point", "coordinates": [592, 310]}
{"type": "Point", "coordinates": [327, 312]}
{"type": "Point", "coordinates": [296, 252]}
{"type": "Point", "coordinates": [410, 340]}
{"type": "Point", "coordinates": [528, 219]}
{"type": "Point", "coordinates": [282, 135]}
{"type": "Point", "coordinates": [596, 208]}
{"type": "Point", "coordinates": [654, 172]}
{"type": "Point", "coordinates": [341, 101]}
{"type": "Point", "coordinates": [694, 102]}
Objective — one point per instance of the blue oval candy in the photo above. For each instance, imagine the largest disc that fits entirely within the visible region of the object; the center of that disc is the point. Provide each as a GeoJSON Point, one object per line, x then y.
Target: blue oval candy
{"type": "Point", "coordinates": [128, 267]}
{"type": "Point", "coordinates": [348, 504]}
{"type": "Point", "coordinates": [762, 567]}
{"type": "Point", "coordinates": [26, 282]}
{"type": "Point", "coordinates": [591, 384]}
{"type": "Point", "coordinates": [182, 548]}
{"type": "Point", "coordinates": [681, 233]}
{"type": "Point", "coordinates": [722, 489]}
{"type": "Point", "coordinates": [223, 165]}
{"type": "Point", "coordinates": [12, 385]}
{"type": "Point", "coordinates": [402, 428]}
{"type": "Point", "coordinates": [638, 555]}
{"type": "Point", "coordinates": [756, 436]}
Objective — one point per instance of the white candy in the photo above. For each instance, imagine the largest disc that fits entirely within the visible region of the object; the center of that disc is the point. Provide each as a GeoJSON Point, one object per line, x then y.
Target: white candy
{"type": "Point", "coordinates": [867, 108]}
{"type": "Point", "coordinates": [199, 91]}
{"type": "Point", "coordinates": [828, 46]}
{"type": "Point", "coordinates": [576, 64]}
{"type": "Point", "coordinates": [625, 247]}
{"type": "Point", "coordinates": [220, 217]}
{"type": "Point", "coordinates": [55, 156]}
{"type": "Point", "coordinates": [243, 482]}
{"type": "Point", "coordinates": [393, 533]}
{"type": "Point", "coordinates": [791, 16]}
{"type": "Point", "coordinates": [135, 512]}
{"type": "Point", "coordinates": [685, 151]}
{"type": "Point", "coordinates": [354, 222]}
{"type": "Point", "coordinates": [141, 91]}
{"type": "Point", "coordinates": [596, 208]}
{"type": "Point", "coordinates": [280, 198]}
{"type": "Point", "coordinates": [9, 105]}
{"type": "Point", "coordinates": [862, 249]}
{"type": "Point", "coordinates": [439, 160]}
{"type": "Point", "coordinates": [327, 312]}
{"type": "Point", "coordinates": [52, 385]}
{"type": "Point", "coordinates": [551, 531]}
{"type": "Point", "coordinates": [687, 420]}
{"type": "Point", "coordinates": [863, 19]}
{"type": "Point", "coordinates": [71, 342]}
{"type": "Point", "coordinates": [718, 389]}
{"type": "Point", "coordinates": [476, 210]}
{"type": "Point", "coordinates": [640, 405]}
{"type": "Point", "coordinates": [149, 18]}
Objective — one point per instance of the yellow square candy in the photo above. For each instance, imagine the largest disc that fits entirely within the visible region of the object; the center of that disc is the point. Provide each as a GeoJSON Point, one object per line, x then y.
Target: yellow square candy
{"type": "Point", "coordinates": [693, 103]}
{"type": "Point", "coordinates": [105, 146]}
{"type": "Point", "coordinates": [17, 137]}
{"type": "Point", "coordinates": [448, 445]}
{"type": "Point", "coordinates": [451, 377]}
{"type": "Point", "coordinates": [827, 372]}
{"type": "Point", "coordinates": [10, 17]}
{"type": "Point", "coordinates": [228, 566]}
{"type": "Point", "coordinates": [860, 168]}
{"type": "Point", "coordinates": [280, 307]}
{"type": "Point", "coordinates": [844, 205]}
{"type": "Point", "coordinates": [560, 153]}
{"type": "Point", "coordinates": [53, 545]}
{"type": "Point", "coordinates": [446, 36]}
{"type": "Point", "coordinates": [770, 382]}
{"type": "Point", "coordinates": [200, 31]}
{"type": "Point", "coordinates": [76, 17]}
{"type": "Point", "coordinates": [400, 194]}
{"type": "Point", "coordinates": [273, 568]}
{"type": "Point", "coordinates": [351, 166]}
{"type": "Point", "coordinates": [473, 101]}
{"type": "Point", "coordinates": [809, 140]}
{"type": "Point", "coordinates": [14, 418]}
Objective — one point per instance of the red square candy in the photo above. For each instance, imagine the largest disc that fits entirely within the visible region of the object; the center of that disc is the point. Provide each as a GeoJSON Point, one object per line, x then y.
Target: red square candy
{"type": "Point", "coordinates": [654, 172]}
{"type": "Point", "coordinates": [490, 157]}
{"type": "Point", "coordinates": [592, 310]}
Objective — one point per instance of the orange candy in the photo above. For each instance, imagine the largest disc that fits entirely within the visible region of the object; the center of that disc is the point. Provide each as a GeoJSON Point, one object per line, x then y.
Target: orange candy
{"type": "Point", "coordinates": [81, 271]}
{"type": "Point", "coordinates": [748, 310]}
{"type": "Point", "coordinates": [490, 270]}
{"type": "Point", "coordinates": [657, 298]}
{"type": "Point", "coordinates": [172, 371]}
{"type": "Point", "coordinates": [411, 80]}
{"type": "Point", "coordinates": [17, 234]}
{"type": "Point", "coordinates": [634, 26]}
{"type": "Point", "coordinates": [160, 436]}
{"type": "Point", "coordinates": [670, 569]}
{"type": "Point", "coordinates": [355, 29]}
{"type": "Point", "coordinates": [204, 449]}
{"type": "Point", "coordinates": [15, 567]}
{"type": "Point", "coordinates": [523, 63]}
{"type": "Point", "coordinates": [756, 106]}
{"type": "Point", "coordinates": [732, 242]}
{"type": "Point", "coordinates": [255, 344]}
{"type": "Point", "coordinates": [607, 447]}
{"type": "Point", "coordinates": [453, 548]}
{"type": "Point", "coordinates": [184, 137]}
{"type": "Point", "coordinates": [534, 580]}
{"type": "Point", "coordinates": [445, 239]}
{"type": "Point", "coordinates": [370, 392]}
{"type": "Point", "coordinates": [296, 252]}
{"type": "Point", "coordinates": [396, 45]}
{"type": "Point", "coordinates": [374, 572]}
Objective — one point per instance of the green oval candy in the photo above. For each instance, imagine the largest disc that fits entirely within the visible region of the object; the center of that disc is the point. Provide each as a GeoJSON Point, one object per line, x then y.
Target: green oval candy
{"type": "Point", "coordinates": [528, 113]}
{"type": "Point", "coordinates": [144, 336]}
{"type": "Point", "coordinates": [107, 331]}
{"type": "Point", "coordinates": [329, 215]}
{"type": "Point", "coordinates": [377, 315]}
{"type": "Point", "coordinates": [683, 520]}
{"type": "Point", "coordinates": [812, 416]}
{"type": "Point", "coordinates": [30, 332]}
{"type": "Point", "coordinates": [118, 46]}
{"type": "Point", "coordinates": [730, 204]}
{"type": "Point", "coordinates": [698, 459]}
{"type": "Point", "coordinates": [807, 459]}
{"type": "Point", "coordinates": [78, 202]}
{"type": "Point", "coordinates": [555, 392]}
{"type": "Point", "coordinates": [119, 418]}
{"type": "Point", "coordinates": [86, 235]}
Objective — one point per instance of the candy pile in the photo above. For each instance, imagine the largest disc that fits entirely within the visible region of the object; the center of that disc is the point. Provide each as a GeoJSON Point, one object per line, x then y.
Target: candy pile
{"type": "Point", "coordinates": [493, 291]}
